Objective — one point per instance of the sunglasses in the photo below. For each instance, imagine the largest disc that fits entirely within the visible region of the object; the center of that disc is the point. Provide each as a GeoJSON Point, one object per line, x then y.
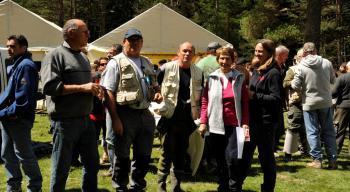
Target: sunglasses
{"type": "Point", "coordinates": [10, 46]}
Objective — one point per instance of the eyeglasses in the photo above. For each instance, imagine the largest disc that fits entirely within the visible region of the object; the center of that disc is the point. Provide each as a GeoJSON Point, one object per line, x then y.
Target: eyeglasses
{"type": "Point", "coordinates": [86, 32]}
{"type": "Point", "coordinates": [10, 46]}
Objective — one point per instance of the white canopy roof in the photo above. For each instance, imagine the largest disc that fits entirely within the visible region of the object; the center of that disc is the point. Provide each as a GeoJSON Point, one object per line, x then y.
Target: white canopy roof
{"type": "Point", "coordinates": [41, 34]}
{"type": "Point", "coordinates": [163, 30]}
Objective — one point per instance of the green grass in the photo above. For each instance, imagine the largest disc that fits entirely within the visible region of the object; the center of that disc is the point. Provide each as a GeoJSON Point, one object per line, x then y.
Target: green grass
{"type": "Point", "coordinates": [291, 177]}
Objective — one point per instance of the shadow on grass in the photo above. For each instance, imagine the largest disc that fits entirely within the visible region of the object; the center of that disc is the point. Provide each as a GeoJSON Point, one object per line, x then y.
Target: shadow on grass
{"type": "Point", "coordinates": [156, 145]}
{"type": "Point", "coordinates": [242, 191]}
{"type": "Point", "coordinates": [344, 164]}
{"type": "Point", "coordinates": [42, 149]}
{"type": "Point", "coordinates": [79, 190]}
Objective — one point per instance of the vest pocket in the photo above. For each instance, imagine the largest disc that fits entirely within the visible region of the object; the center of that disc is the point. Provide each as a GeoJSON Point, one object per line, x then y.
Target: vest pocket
{"type": "Point", "coordinates": [125, 98]}
{"type": "Point", "coordinates": [127, 80]}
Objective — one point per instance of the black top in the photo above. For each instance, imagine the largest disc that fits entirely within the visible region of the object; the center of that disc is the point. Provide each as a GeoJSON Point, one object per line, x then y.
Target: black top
{"type": "Point", "coordinates": [265, 105]}
{"type": "Point", "coordinates": [184, 90]}
{"type": "Point", "coordinates": [341, 91]}
{"type": "Point", "coordinates": [182, 115]}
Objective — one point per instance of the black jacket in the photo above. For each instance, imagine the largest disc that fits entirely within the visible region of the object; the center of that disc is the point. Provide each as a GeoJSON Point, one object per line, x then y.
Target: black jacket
{"type": "Point", "coordinates": [341, 91]}
{"type": "Point", "coordinates": [265, 105]}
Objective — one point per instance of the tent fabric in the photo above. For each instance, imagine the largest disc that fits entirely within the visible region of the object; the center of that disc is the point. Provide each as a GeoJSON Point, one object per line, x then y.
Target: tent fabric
{"type": "Point", "coordinates": [42, 35]}
{"type": "Point", "coordinates": [3, 75]}
{"type": "Point", "coordinates": [163, 30]}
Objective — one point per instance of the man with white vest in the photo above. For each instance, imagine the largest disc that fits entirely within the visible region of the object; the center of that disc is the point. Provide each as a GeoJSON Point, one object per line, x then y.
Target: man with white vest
{"type": "Point", "coordinates": [181, 87]}
{"type": "Point", "coordinates": [130, 81]}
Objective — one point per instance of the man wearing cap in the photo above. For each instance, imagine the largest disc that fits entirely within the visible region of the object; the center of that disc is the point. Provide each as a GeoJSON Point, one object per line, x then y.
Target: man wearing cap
{"type": "Point", "coordinates": [209, 64]}
{"type": "Point", "coordinates": [130, 82]}
{"type": "Point", "coordinates": [341, 92]}
{"type": "Point", "coordinates": [313, 77]}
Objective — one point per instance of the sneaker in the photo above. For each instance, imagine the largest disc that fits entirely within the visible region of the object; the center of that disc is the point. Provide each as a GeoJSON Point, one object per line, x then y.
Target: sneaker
{"type": "Point", "coordinates": [317, 164]}
{"type": "Point", "coordinates": [332, 165]}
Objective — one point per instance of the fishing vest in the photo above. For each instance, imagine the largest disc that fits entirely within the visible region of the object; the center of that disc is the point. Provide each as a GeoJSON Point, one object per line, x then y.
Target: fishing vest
{"type": "Point", "coordinates": [170, 90]}
{"type": "Point", "coordinates": [130, 90]}
{"type": "Point", "coordinates": [294, 96]}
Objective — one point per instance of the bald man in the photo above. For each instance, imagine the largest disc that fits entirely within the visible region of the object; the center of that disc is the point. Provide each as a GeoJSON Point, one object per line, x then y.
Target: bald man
{"type": "Point", "coordinates": [181, 88]}
{"type": "Point", "coordinates": [67, 82]}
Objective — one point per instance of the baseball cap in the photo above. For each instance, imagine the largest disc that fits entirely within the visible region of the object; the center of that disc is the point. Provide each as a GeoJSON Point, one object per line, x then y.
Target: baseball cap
{"type": "Point", "coordinates": [132, 32]}
{"type": "Point", "coordinates": [213, 45]}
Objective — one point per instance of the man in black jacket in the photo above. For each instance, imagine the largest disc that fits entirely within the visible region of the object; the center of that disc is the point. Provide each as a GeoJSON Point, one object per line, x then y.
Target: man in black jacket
{"type": "Point", "coordinates": [341, 92]}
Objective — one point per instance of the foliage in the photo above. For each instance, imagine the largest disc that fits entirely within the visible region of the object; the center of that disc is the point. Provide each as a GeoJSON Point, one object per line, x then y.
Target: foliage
{"type": "Point", "coordinates": [240, 22]}
{"type": "Point", "coordinates": [285, 33]}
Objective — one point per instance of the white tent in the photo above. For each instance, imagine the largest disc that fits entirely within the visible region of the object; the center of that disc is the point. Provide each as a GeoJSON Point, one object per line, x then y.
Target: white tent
{"type": "Point", "coordinates": [3, 75]}
{"type": "Point", "coordinates": [42, 35]}
{"type": "Point", "coordinates": [163, 30]}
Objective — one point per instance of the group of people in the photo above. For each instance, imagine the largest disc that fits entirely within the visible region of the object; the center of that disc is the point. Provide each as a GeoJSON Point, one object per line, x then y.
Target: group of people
{"type": "Point", "coordinates": [218, 97]}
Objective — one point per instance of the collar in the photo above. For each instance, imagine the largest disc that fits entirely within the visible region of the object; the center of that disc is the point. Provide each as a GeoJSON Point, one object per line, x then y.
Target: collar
{"type": "Point", "coordinates": [66, 45]}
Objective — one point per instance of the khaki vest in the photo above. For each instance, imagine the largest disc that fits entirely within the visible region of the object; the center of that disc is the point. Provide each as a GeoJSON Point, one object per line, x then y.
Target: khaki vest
{"type": "Point", "coordinates": [130, 90]}
{"type": "Point", "coordinates": [170, 90]}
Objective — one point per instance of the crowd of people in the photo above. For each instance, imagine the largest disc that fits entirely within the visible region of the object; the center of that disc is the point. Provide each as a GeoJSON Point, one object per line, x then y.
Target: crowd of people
{"type": "Point", "coordinates": [236, 104]}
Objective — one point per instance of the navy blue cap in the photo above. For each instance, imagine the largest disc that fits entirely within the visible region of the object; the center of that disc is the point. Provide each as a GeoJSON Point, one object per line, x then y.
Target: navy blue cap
{"type": "Point", "coordinates": [132, 32]}
{"type": "Point", "coordinates": [213, 46]}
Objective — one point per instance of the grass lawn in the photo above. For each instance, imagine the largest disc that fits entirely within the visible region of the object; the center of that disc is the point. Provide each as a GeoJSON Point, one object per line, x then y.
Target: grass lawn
{"type": "Point", "coordinates": [291, 177]}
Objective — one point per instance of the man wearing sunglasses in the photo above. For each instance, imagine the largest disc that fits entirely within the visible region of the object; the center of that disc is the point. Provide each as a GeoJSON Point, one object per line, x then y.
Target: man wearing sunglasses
{"type": "Point", "coordinates": [17, 105]}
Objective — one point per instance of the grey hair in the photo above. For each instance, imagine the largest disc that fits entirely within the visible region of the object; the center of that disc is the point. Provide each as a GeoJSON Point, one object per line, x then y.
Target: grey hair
{"type": "Point", "coordinates": [281, 49]}
{"type": "Point", "coordinates": [309, 47]}
{"type": "Point", "coordinates": [69, 25]}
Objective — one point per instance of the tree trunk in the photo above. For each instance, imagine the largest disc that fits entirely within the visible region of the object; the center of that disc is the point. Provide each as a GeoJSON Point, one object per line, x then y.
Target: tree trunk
{"type": "Point", "coordinates": [60, 13]}
{"type": "Point", "coordinates": [340, 40]}
{"type": "Point", "coordinates": [73, 10]}
{"type": "Point", "coordinates": [102, 23]}
{"type": "Point", "coordinates": [313, 22]}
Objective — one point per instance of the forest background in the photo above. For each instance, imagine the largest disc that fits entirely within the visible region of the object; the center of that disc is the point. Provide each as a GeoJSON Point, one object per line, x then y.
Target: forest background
{"type": "Point", "coordinates": [240, 22]}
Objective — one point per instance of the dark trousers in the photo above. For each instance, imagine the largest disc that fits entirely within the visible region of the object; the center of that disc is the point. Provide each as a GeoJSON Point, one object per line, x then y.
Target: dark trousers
{"type": "Point", "coordinates": [296, 124]}
{"type": "Point", "coordinates": [279, 130]}
{"type": "Point", "coordinates": [341, 122]}
{"type": "Point", "coordinates": [229, 170]}
{"type": "Point", "coordinates": [138, 127]}
{"type": "Point", "coordinates": [174, 145]}
{"type": "Point", "coordinates": [101, 125]}
{"type": "Point", "coordinates": [0, 141]}
{"type": "Point", "coordinates": [17, 153]}
{"type": "Point", "coordinates": [263, 138]}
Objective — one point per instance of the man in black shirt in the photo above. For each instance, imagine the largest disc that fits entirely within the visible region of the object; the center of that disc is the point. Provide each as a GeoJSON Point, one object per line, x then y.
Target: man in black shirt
{"type": "Point", "coordinates": [181, 89]}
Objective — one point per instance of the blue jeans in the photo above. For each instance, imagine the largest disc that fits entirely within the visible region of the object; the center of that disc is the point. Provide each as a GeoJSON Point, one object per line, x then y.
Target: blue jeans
{"type": "Point", "coordinates": [17, 149]}
{"type": "Point", "coordinates": [110, 139]}
{"type": "Point", "coordinates": [319, 125]}
{"type": "Point", "coordinates": [70, 134]}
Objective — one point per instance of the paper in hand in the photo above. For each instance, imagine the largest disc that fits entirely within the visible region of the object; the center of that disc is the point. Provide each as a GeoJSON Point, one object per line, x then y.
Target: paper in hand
{"type": "Point", "coordinates": [240, 132]}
